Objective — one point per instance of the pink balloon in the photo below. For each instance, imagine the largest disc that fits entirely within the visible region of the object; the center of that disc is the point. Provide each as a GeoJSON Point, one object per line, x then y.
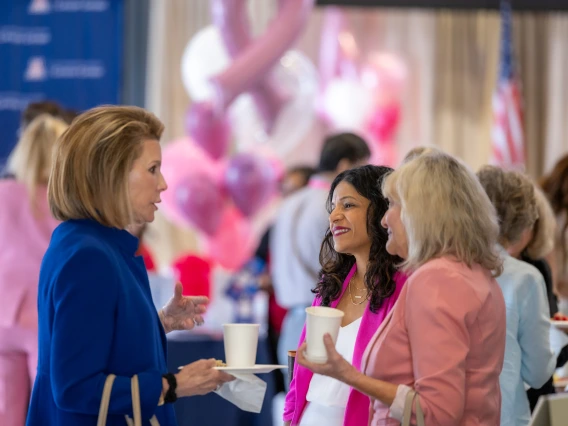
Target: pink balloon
{"type": "Point", "coordinates": [210, 129]}
{"type": "Point", "coordinates": [277, 166]}
{"type": "Point", "coordinates": [259, 58]}
{"type": "Point", "coordinates": [384, 122]}
{"type": "Point", "coordinates": [231, 18]}
{"type": "Point", "coordinates": [180, 158]}
{"type": "Point", "coordinates": [250, 182]}
{"type": "Point", "coordinates": [233, 244]}
{"type": "Point", "coordinates": [201, 202]}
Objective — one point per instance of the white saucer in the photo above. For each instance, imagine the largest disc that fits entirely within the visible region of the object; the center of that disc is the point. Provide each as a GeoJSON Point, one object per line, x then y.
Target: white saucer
{"type": "Point", "coordinates": [562, 325]}
{"type": "Point", "coordinates": [257, 369]}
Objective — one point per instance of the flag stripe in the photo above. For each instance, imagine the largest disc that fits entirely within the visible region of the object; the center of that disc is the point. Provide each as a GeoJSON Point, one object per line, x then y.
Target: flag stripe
{"type": "Point", "coordinates": [507, 135]}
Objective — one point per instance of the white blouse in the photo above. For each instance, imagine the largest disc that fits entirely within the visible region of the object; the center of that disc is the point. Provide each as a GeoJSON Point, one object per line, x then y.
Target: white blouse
{"type": "Point", "coordinates": [327, 397]}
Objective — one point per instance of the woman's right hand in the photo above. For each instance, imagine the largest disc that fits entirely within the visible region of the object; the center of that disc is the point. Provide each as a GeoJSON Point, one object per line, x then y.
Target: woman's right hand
{"type": "Point", "coordinates": [200, 378]}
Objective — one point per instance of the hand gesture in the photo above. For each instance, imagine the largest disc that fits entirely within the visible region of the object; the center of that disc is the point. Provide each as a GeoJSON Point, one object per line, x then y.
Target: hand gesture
{"type": "Point", "coordinates": [183, 312]}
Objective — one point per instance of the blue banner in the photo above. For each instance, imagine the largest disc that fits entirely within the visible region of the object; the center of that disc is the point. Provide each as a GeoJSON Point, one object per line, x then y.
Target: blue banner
{"type": "Point", "coordinates": [68, 51]}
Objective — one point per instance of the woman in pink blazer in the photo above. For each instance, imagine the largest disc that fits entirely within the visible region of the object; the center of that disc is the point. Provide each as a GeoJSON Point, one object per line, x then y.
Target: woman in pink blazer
{"type": "Point", "coordinates": [25, 226]}
{"type": "Point", "coordinates": [359, 278]}
{"type": "Point", "coordinates": [445, 337]}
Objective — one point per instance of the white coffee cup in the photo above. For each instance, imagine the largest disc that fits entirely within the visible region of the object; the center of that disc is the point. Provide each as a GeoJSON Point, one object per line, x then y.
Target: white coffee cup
{"type": "Point", "coordinates": [319, 321]}
{"type": "Point", "coordinates": [241, 342]}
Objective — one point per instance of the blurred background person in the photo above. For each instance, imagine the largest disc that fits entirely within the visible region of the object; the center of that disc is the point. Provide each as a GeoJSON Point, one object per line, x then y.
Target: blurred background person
{"type": "Point", "coordinates": [26, 226]}
{"type": "Point", "coordinates": [528, 355]}
{"type": "Point", "coordinates": [298, 232]}
{"type": "Point", "coordinates": [34, 110]}
{"type": "Point", "coordinates": [555, 186]}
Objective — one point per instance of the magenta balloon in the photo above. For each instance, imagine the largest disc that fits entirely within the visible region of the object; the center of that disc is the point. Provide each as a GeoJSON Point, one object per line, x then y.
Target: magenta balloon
{"type": "Point", "coordinates": [250, 182]}
{"type": "Point", "coordinates": [178, 158]}
{"type": "Point", "coordinates": [201, 202]}
{"type": "Point", "coordinates": [209, 129]}
{"type": "Point", "coordinates": [231, 18]}
{"type": "Point", "coordinates": [256, 61]}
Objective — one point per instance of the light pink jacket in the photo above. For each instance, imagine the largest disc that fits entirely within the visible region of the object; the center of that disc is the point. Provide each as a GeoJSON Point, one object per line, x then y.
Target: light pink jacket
{"type": "Point", "coordinates": [24, 237]}
{"type": "Point", "coordinates": [445, 338]}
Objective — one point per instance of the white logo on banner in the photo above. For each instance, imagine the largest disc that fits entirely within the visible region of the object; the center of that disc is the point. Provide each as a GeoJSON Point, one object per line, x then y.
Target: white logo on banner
{"type": "Point", "coordinates": [38, 36]}
{"type": "Point", "coordinates": [72, 69]}
{"type": "Point", "coordinates": [39, 7]}
{"type": "Point", "coordinates": [13, 101]}
{"type": "Point", "coordinates": [36, 70]}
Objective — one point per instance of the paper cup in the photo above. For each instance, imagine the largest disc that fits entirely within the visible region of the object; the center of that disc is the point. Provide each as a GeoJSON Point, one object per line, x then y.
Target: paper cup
{"type": "Point", "coordinates": [241, 341]}
{"type": "Point", "coordinates": [319, 321]}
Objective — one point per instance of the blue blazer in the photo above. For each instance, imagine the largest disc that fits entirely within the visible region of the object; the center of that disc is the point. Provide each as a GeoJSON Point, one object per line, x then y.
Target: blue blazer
{"type": "Point", "coordinates": [96, 317]}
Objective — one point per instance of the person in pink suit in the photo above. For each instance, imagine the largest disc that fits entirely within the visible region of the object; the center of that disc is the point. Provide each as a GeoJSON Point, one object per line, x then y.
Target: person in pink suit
{"type": "Point", "coordinates": [445, 337]}
{"type": "Point", "coordinates": [358, 277]}
{"type": "Point", "coordinates": [26, 225]}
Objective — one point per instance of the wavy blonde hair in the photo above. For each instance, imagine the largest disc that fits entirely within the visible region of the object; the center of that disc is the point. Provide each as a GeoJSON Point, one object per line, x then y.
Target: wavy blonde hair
{"type": "Point", "coordinates": [512, 194]}
{"type": "Point", "coordinates": [445, 212]}
{"type": "Point", "coordinates": [89, 178]}
{"type": "Point", "coordinates": [31, 160]}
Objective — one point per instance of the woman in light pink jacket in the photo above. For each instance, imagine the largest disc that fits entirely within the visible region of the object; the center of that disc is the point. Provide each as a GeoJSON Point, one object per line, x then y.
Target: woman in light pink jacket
{"type": "Point", "coordinates": [445, 337]}
{"type": "Point", "coordinates": [25, 229]}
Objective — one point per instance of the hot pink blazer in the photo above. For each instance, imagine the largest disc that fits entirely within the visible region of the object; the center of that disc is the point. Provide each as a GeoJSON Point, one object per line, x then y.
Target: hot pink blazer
{"type": "Point", "coordinates": [24, 238]}
{"type": "Point", "coordinates": [445, 338]}
{"type": "Point", "coordinates": [357, 410]}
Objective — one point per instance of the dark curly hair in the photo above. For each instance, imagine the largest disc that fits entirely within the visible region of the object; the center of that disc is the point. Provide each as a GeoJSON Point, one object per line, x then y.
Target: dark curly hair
{"type": "Point", "coordinates": [382, 266]}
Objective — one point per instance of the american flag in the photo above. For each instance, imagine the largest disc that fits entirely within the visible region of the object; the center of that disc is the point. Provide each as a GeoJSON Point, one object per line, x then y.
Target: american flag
{"type": "Point", "coordinates": [507, 135]}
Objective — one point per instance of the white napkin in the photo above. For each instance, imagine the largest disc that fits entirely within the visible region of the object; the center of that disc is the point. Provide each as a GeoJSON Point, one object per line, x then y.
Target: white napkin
{"type": "Point", "coordinates": [246, 392]}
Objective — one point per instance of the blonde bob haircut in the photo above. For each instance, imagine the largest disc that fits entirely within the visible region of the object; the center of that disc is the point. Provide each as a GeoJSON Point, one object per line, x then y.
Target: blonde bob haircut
{"type": "Point", "coordinates": [30, 161]}
{"type": "Point", "coordinates": [92, 160]}
{"type": "Point", "coordinates": [512, 194]}
{"type": "Point", "coordinates": [445, 212]}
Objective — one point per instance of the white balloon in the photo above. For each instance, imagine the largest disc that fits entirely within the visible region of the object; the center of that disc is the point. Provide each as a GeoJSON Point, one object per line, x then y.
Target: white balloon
{"type": "Point", "coordinates": [348, 104]}
{"type": "Point", "coordinates": [204, 57]}
{"type": "Point", "coordinates": [297, 77]}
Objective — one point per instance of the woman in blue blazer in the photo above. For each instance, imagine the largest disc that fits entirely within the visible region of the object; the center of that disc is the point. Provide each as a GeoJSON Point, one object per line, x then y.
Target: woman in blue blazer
{"type": "Point", "coordinates": [96, 315]}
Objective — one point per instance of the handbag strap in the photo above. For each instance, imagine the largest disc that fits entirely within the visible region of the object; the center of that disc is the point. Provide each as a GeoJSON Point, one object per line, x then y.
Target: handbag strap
{"type": "Point", "coordinates": [407, 413]}
{"type": "Point", "coordinates": [105, 400]}
{"type": "Point", "coordinates": [136, 408]}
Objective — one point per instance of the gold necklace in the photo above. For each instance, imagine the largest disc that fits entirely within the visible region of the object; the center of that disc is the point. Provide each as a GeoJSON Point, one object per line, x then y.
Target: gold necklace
{"type": "Point", "coordinates": [357, 297]}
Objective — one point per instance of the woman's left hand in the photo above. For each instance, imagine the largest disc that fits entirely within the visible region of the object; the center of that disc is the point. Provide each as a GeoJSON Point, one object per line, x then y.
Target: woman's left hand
{"type": "Point", "coordinates": [183, 312]}
{"type": "Point", "coordinates": [336, 366]}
